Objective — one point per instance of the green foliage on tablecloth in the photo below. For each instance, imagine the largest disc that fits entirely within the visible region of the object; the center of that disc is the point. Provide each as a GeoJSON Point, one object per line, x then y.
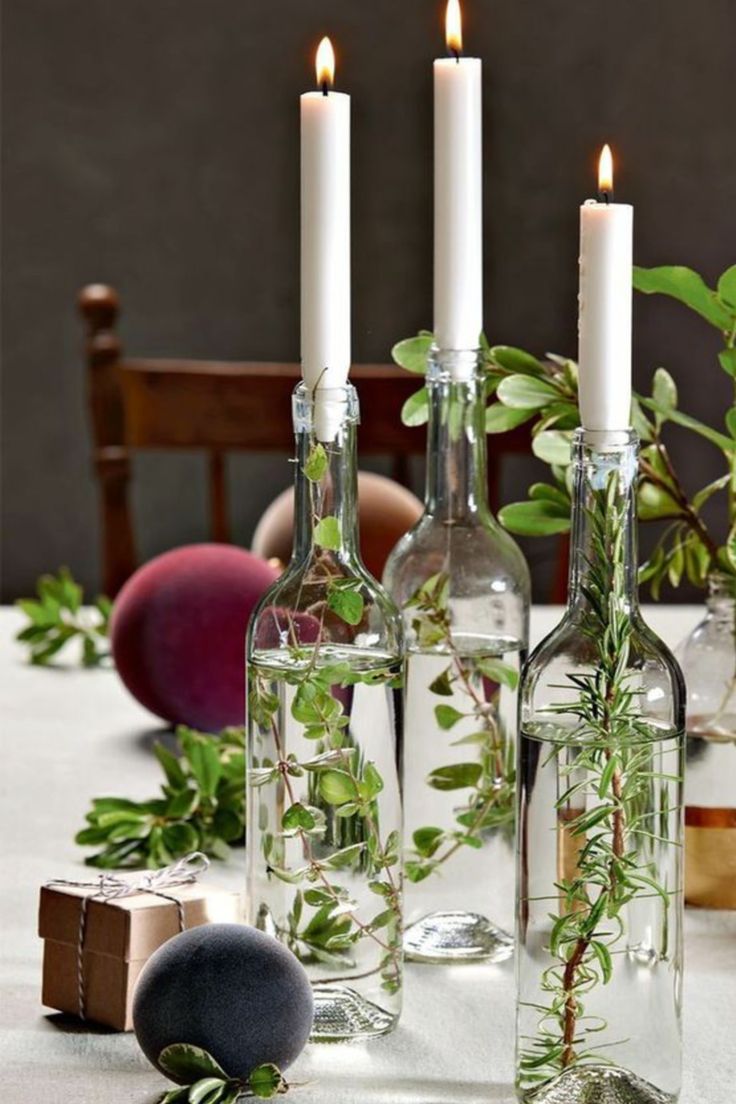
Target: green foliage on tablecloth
{"type": "Point", "coordinates": [207, 1083]}
{"type": "Point", "coordinates": [58, 615]}
{"type": "Point", "coordinates": [201, 807]}
{"type": "Point", "coordinates": [522, 388]}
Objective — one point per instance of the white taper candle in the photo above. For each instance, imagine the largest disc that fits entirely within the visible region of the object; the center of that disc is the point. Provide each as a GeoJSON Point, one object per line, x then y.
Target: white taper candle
{"type": "Point", "coordinates": [604, 314]}
{"type": "Point", "coordinates": [458, 195]}
{"type": "Point", "coordinates": [325, 230]}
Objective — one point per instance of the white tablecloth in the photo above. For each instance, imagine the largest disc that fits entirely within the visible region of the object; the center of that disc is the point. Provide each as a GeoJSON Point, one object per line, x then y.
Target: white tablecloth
{"type": "Point", "coordinates": [69, 735]}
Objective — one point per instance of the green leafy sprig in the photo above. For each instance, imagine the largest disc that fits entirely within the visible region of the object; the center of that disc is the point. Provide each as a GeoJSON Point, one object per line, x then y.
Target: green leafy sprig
{"type": "Point", "coordinates": [523, 388]}
{"type": "Point", "coordinates": [605, 809]}
{"type": "Point", "coordinates": [205, 1082]}
{"type": "Point", "coordinates": [323, 924]}
{"type": "Point", "coordinates": [201, 807]}
{"type": "Point", "coordinates": [490, 777]}
{"type": "Point", "coordinates": [56, 617]}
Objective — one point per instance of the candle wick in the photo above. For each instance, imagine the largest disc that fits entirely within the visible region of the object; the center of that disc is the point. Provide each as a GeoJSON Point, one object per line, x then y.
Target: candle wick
{"type": "Point", "coordinates": [607, 197]}
{"type": "Point", "coordinates": [324, 88]}
{"type": "Point", "coordinates": [456, 53]}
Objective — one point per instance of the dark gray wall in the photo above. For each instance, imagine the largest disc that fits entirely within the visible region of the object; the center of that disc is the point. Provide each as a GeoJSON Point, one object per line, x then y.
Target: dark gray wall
{"type": "Point", "coordinates": [153, 144]}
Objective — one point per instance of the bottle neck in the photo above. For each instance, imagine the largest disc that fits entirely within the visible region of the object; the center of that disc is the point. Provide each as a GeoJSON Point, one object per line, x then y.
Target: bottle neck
{"type": "Point", "coordinates": [457, 480]}
{"type": "Point", "coordinates": [603, 558]}
{"type": "Point", "coordinates": [721, 599]}
{"type": "Point", "coordinates": [326, 481]}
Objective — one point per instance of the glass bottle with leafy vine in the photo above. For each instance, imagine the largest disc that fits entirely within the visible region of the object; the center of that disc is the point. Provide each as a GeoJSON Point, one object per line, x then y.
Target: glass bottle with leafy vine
{"type": "Point", "coordinates": [599, 905]}
{"type": "Point", "coordinates": [463, 587]}
{"type": "Point", "coordinates": [324, 720]}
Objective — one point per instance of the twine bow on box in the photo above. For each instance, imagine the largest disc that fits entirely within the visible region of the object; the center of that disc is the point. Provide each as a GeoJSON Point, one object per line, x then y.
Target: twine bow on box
{"type": "Point", "coordinates": [108, 887]}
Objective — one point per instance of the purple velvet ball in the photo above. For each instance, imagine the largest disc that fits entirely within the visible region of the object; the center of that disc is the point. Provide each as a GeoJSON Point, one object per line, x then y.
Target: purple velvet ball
{"type": "Point", "coordinates": [178, 632]}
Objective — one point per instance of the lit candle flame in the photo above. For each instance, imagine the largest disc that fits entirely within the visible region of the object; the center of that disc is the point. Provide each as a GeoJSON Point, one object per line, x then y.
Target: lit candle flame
{"type": "Point", "coordinates": [325, 64]}
{"type": "Point", "coordinates": [605, 171]}
{"type": "Point", "coordinates": [453, 27]}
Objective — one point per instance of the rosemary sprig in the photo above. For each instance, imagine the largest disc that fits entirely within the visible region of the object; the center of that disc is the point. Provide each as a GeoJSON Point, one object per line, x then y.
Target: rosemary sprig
{"type": "Point", "coordinates": [612, 753]}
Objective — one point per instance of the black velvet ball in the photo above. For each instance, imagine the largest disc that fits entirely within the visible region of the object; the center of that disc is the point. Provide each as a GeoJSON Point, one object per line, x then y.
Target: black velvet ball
{"type": "Point", "coordinates": [230, 989]}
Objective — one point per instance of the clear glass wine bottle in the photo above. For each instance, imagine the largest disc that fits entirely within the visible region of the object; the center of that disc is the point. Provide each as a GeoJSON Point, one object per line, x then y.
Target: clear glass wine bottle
{"type": "Point", "coordinates": [324, 658]}
{"type": "Point", "coordinates": [463, 586]}
{"type": "Point", "coordinates": [601, 752]}
{"type": "Point", "coordinates": [708, 658]}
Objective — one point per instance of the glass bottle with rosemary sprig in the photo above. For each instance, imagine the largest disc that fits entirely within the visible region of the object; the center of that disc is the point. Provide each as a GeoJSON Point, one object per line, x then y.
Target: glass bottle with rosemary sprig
{"type": "Point", "coordinates": [324, 711]}
{"type": "Point", "coordinates": [599, 909]}
{"type": "Point", "coordinates": [463, 586]}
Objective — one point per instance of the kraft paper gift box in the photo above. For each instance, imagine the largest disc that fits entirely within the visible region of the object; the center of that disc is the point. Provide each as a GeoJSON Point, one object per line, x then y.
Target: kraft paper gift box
{"type": "Point", "coordinates": [119, 935]}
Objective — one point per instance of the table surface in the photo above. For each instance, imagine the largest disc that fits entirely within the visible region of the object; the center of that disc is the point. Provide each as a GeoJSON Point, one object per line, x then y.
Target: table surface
{"type": "Point", "coordinates": [70, 735]}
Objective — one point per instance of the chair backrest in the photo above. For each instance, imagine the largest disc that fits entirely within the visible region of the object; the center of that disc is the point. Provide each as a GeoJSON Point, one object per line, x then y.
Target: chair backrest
{"type": "Point", "coordinates": [214, 406]}
{"type": "Point", "coordinates": [219, 407]}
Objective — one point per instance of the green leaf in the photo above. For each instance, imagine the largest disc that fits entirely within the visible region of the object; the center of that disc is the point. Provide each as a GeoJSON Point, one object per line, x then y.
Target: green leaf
{"type": "Point", "coordinates": [687, 287]}
{"type": "Point", "coordinates": [327, 533]}
{"type": "Point", "coordinates": [180, 839]}
{"type": "Point", "coordinates": [183, 803]}
{"type": "Point", "coordinates": [544, 492]}
{"type": "Point", "coordinates": [207, 1091]}
{"type": "Point", "coordinates": [639, 420]}
{"type": "Point", "coordinates": [664, 390]}
{"type": "Point", "coordinates": [727, 287]}
{"type": "Point", "coordinates": [412, 353]}
{"type": "Point", "coordinates": [525, 392]}
{"type": "Point", "coordinates": [205, 763]}
{"type": "Point", "coordinates": [534, 519]}
{"type": "Point", "coordinates": [415, 411]}
{"type": "Point", "coordinates": [371, 782]}
{"type": "Point", "coordinates": [655, 502]}
{"type": "Point", "coordinates": [427, 840]}
{"type": "Point", "coordinates": [228, 824]}
{"type": "Point", "coordinates": [187, 1063]}
{"type": "Point", "coordinates": [718, 439]}
{"type": "Point", "coordinates": [345, 857]}
{"type": "Point", "coordinates": [731, 421]}
{"type": "Point", "coordinates": [730, 548]}
{"type": "Point", "coordinates": [441, 684]}
{"type": "Point", "coordinates": [497, 671]}
{"type": "Point", "coordinates": [344, 599]}
{"type": "Point", "coordinates": [553, 446]}
{"type": "Point", "coordinates": [447, 716]}
{"type": "Point", "coordinates": [337, 786]}
{"type": "Point", "coordinates": [297, 816]}
{"type": "Point", "coordinates": [516, 360]}
{"type": "Point", "coordinates": [266, 1081]}
{"type": "Point", "coordinates": [316, 463]}
{"type": "Point", "coordinates": [727, 359]}
{"type": "Point", "coordinates": [171, 765]}
{"type": "Point", "coordinates": [703, 495]}
{"type": "Point", "coordinates": [603, 955]}
{"type": "Point", "coordinates": [500, 418]}
{"type": "Point", "coordinates": [176, 1096]}
{"type": "Point", "coordinates": [456, 777]}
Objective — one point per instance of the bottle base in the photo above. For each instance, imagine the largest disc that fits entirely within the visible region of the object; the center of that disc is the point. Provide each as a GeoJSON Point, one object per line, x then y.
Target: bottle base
{"type": "Point", "coordinates": [342, 1015]}
{"type": "Point", "coordinates": [456, 937]}
{"type": "Point", "coordinates": [597, 1085]}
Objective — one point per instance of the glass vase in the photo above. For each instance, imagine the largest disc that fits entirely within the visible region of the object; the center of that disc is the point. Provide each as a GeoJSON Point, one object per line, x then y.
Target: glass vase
{"type": "Point", "coordinates": [708, 658]}
{"type": "Point", "coordinates": [601, 751]}
{"type": "Point", "coordinates": [463, 587]}
{"type": "Point", "coordinates": [324, 658]}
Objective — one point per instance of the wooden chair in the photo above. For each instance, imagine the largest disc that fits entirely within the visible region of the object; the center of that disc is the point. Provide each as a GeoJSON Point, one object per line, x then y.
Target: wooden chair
{"type": "Point", "coordinates": [217, 407]}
